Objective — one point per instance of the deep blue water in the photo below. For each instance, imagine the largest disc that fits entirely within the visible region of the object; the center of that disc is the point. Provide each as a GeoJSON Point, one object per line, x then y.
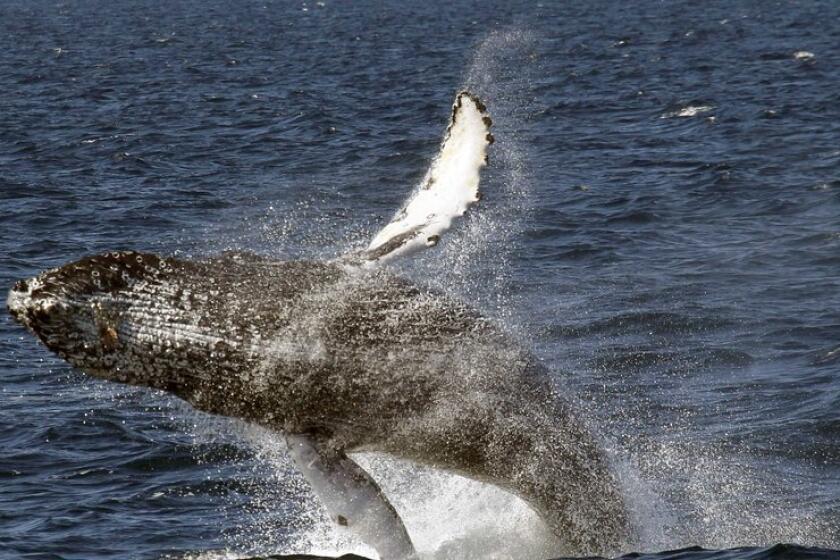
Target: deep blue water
{"type": "Point", "coordinates": [661, 221]}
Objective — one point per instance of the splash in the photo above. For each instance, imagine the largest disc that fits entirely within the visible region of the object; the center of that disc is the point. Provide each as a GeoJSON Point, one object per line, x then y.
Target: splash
{"type": "Point", "coordinates": [451, 517]}
{"type": "Point", "coordinates": [475, 262]}
{"type": "Point", "coordinates": [720, 501]}
{"type": "Point", "coordinates": [448, 516]}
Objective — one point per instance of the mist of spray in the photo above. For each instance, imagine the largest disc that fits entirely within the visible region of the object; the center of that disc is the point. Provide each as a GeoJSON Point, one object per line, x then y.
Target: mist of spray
{"type": "Point", "coordinates": [448, 516]}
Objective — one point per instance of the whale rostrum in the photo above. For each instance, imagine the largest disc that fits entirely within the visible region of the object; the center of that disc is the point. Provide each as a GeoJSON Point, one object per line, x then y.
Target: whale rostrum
{"type": "Point", "coordinates": [344, 356]}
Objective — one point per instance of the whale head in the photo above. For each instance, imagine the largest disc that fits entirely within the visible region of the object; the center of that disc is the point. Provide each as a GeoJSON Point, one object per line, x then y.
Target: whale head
{"type": "Point", "coordinates": [120, 316]}
{"type": "Point", "coordinates": [198, 329]}
{"type": "Point", "coordinates": [78, 310]}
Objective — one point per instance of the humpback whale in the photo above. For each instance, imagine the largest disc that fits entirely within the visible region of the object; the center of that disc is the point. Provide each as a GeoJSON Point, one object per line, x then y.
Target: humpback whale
{"type": "Point", "coordinates": [345, 356]}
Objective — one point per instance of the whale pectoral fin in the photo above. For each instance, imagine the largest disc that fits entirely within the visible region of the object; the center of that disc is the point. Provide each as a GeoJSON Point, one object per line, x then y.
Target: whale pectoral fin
{"type": "Point", "coordinates": [449, 188]}
{"type": "Point", "coordinates": [351, 496]}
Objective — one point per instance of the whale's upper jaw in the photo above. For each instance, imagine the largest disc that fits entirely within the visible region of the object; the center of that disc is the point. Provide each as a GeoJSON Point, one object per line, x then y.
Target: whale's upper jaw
{"type": "Point", "coordinates": [15, 301]}
{"type": "Point", "coordinates": [31, 307]}
{"type": "Point", "coordinates": [60, 314]}
{"type": "Point", "coordinates": [19, 301]}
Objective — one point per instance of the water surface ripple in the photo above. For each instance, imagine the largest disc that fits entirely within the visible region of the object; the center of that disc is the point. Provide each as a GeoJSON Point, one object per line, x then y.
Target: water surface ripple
{"type": "Point", "coordinates": [675, 257]}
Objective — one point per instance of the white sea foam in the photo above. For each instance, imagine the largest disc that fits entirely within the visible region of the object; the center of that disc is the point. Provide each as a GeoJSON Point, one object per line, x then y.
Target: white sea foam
{"type": "Point", "coordinates": [689, 111]}
{"type": "Point", "coordinates": [452, 517]}
{"type": "Point", "coordinates": [448, 516]}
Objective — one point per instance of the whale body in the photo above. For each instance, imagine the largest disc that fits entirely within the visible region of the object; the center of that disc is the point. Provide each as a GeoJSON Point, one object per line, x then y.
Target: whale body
{"type": "Point", "coordinates": [364, 360]}
{"type": "Point", "coordinates": [342, 357]}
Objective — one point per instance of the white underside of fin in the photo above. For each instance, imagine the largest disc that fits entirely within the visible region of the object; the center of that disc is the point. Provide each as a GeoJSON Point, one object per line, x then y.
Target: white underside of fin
{"type": "Point", "coordinates": [351, 497]}
{"type": "Point", "coordinates": [449, 188]}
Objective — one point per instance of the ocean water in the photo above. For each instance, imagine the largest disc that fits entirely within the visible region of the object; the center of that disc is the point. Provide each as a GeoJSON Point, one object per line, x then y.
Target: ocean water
{"type": "Point", "coordinates": [660, 222]}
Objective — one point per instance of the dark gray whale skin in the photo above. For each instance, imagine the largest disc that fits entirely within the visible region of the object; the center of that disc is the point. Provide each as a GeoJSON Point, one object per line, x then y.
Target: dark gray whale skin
{"type": "Point", "coordinates": [365, 360]}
